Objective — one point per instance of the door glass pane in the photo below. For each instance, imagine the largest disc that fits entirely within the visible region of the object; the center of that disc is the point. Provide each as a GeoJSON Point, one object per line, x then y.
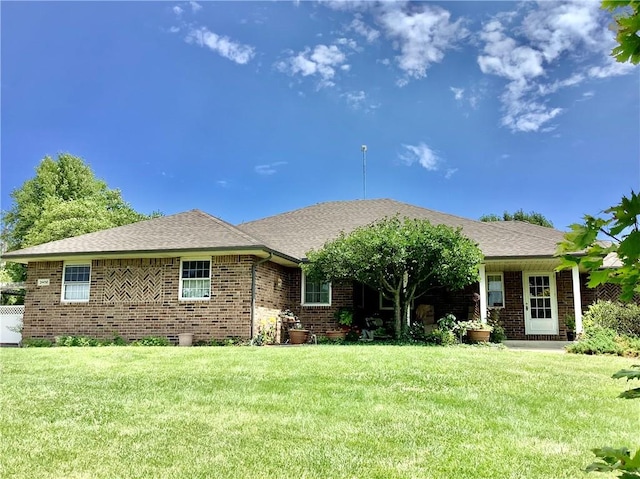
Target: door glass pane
{"type": "Point", "coordinates": [540, 297]}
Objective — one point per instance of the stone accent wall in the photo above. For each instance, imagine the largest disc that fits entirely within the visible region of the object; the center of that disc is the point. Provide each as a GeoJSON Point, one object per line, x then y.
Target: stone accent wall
{"type": "Point", "coordinates": [125, 300]}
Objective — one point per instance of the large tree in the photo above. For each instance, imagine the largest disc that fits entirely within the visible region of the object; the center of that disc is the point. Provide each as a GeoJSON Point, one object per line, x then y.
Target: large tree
{"type": "Point", "coordinates": [63, 199]}
{"type": "Point", "coordinates": [520, 215]}
{"type": "Point", "coordinates": [402, 258]}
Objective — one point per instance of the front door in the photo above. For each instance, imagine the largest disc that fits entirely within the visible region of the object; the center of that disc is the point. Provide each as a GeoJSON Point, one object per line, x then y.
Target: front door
{"type": "Point", "coordinates": [540, 303]}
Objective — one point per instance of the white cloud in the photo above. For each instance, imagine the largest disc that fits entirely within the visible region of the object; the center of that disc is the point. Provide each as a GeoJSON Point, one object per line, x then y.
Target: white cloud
{"type": "Point", "coordinates": [224, 46]}
{"type": "Point", "coordinates": [195, 7]}
{"type": "Point", "coordinates": [222, 183]}
{"type": "Point", "coordinates": [551, 35]}
{"type": "Point", "coordinates": [450, 172]}
{"type": "Point", "coordinates": [458, 93]}
{"type": "Point", "coordinates": [178, 10]}
{"type": "Point", "coordinates": [422, 35]}
{"type": "Point", "coordinates": [369, 33]}
{"type": "Point", "coordinates": [269, 169]}
{"type": "Point", "coordinates": [322, 61]}
{"type": "Point", "coordinates": [349, 42]}
{"type": "Point", "coordinates": [421, 154]}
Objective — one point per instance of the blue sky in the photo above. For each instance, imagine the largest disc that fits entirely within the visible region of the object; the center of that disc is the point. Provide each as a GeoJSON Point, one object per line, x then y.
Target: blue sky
{"type": "Point", "coordinates": [248, 109]}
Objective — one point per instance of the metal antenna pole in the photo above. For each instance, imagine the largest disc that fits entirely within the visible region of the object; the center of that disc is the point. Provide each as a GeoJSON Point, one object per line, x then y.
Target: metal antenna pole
{"type": "Point", "coordinates": [364, 171]}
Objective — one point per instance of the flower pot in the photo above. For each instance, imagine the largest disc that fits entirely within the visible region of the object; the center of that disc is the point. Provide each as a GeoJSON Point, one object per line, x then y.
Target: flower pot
{"type": "Point", "coordinates": [298, 336]}
{"type": "Point", "coordinates": [478, 335]}
{"type": "Point", "coordinates": [337, 334]}
{"type": "Point", "coordinates": [571, 335]}
{"type": "Point", "coordinates": [185, 339]}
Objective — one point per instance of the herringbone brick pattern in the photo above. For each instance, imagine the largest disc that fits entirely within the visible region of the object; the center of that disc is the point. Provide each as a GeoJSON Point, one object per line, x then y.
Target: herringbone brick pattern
{"type": "Point", "coordinates": [133, 285]}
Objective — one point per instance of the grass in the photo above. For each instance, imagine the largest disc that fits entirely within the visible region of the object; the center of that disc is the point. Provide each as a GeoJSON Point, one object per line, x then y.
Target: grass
{"type": "Point", "coordinates": [308, 412]}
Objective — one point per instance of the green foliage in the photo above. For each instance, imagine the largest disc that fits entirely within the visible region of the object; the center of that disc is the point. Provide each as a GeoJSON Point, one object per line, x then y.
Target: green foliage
{"type": "Point", "coordinates": [474, 325]}
{"type": "Point", "coordinates": [266, 332]}
{"type": "Point", "coordinates": [344, 316]}
{"type": "Point", "coordinates": [582, 247]}
{"type": "Point", "coordinates": [442, 336]}
{"type": "Point", "coordinates": [624, 319]}
{"type": "Point", "coordinates": [63, 199]}
{"type": "Point", "coordinates": [620, 460]}
{"type": "Point", "coordinates": [597, 340]}
{"type": "Point", "coordinates": [498, 333]}
{"type": "Point", "coordinates": [152, 341]}
{"type": "Point", "coordinates": [629, 374]}
{"type": "Point", "coordinates": [403, 258]}
{"type": "Point", "coordinates": [520, 215]}
{"type": "Point", "coordinates": [628, 25]}
{"type": "Point", "coordinates": [616, 460]}
{"type": "Point", "coordinates": [76, 341]}
{"type": "Point", "coordinates": [36, 343]}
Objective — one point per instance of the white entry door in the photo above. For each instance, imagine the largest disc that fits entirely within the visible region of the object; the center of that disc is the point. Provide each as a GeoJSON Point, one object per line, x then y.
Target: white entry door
{"type": "Point", "coordinates": [540, 303]}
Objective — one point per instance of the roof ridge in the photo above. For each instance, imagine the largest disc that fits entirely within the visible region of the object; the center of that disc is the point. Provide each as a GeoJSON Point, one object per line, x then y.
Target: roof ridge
{"type": "Point", "coordinates": [230, 227]}
{"type": "Point", "coordinates": [497, 224]}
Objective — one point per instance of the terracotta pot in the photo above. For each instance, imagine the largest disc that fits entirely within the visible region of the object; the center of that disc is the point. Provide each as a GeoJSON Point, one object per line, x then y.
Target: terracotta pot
{"type": "Point", "coordinates": [337, 334]}
{"type": "Point", "coordinates": [478, 335]}
{"type": "Point", "coordinates": [298, 336]}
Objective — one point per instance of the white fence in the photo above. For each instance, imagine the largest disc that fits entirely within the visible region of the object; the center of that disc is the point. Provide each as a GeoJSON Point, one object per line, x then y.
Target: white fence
{"type": "Point", "coordinates": [10, 321]}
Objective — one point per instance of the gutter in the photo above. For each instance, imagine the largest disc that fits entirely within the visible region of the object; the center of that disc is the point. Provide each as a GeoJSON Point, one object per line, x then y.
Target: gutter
{"type": "Point", "coordinates": [254, 266]}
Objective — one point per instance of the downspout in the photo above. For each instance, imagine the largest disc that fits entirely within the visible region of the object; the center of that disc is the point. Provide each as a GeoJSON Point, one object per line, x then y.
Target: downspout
{"type": "Point", "coordinates": [254, 266]}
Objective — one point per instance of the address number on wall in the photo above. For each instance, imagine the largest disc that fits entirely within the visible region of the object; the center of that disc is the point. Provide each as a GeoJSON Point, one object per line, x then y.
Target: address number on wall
{"type": "Point", "coordinates": [43, 282]}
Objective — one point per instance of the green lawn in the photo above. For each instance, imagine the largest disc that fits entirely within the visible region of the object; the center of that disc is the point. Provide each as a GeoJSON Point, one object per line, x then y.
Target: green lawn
{"type": "Point", "coordinates": [305, 412]}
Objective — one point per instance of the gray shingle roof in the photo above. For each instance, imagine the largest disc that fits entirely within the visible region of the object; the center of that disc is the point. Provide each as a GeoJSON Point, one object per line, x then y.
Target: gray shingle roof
{"type": "Point", "coordinates": [192, 230]}
{"type": "Point", "coordinates": [292, 234]}
{"type": "Point", "coordinates": [296, 232]}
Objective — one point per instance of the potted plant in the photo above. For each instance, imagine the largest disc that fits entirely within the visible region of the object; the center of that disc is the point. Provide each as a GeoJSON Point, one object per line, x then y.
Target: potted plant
{"type": "Point", "coordinates": [344, 317]}
{"type": "Point", "coordinates": [570, 323]}
{"type": "Point", "coordinates": [297, 335]}
{"type": "Point", "coordinates": [476, 331]}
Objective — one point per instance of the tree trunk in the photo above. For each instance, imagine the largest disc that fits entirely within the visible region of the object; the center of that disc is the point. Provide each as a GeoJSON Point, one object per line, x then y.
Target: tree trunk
{"type": "Point", "coordinates": [397, 312]}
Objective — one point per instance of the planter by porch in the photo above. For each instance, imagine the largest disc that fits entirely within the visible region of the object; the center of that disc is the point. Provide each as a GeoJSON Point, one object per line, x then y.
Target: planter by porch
{"type": "Point", "coordinates": [478, 335]}
{"type": "Point", "coordinates": [571, 335]}
{"type": "Point", "coordinates": [337, 334]}
{"type": "Point", "coordinates": [298, 336]}
{"type": "Point", "coordinates": [185, 339]}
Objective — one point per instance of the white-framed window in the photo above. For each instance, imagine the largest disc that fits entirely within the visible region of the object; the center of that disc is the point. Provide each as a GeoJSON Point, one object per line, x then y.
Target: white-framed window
{"type": "Point", "coordinates": [315, 293]}
{"type": "Point", "coordinates": [385, 303]}
{"type": "Point", "coordinates": [495, 290]}
{"type": "Point", "coordinates": [76, 282]}
{"type": "Point", "coordinates": [195, 279]}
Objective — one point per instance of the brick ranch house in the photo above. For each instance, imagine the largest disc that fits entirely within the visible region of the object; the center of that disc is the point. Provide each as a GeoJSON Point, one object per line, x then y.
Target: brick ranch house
{"type": "Point", "coordinates": [192, 272]}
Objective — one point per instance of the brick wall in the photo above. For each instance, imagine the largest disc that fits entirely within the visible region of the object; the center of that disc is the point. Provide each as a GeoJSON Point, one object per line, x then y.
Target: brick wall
{"type": "Point", "coordinates": [318, 319]}
{"type": "Point", "coordinates": [273, 284]}
{"type": "Point", "coordinates": [130, 311]}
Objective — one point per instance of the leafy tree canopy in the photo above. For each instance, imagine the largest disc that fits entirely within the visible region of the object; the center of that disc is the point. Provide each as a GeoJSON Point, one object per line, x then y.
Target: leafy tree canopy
{"type": "Point", "coordinates": [63, 199]}
{"type": "Point", "coordinates": [520, 215]}
{"type": "Point", "coordinates": [627, 20]}
{"type": "Point", "coordinates": [620, 225]}
{"type": "Point", "coordinates": [402, 258]}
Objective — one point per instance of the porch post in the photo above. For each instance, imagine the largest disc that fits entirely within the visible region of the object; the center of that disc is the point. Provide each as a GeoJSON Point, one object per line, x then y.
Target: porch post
{"type": "Point", "coordinates": [483, 293]}
{"type": "Point", "coordinates": [577, 299]}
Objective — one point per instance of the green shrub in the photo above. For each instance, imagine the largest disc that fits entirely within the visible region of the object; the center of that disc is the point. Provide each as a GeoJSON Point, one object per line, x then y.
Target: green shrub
{"type": "Point", "coordinates": [76, 341]}
{"type": "Point", "coordinates": [598, 340]}
{"type": "Point", "coordinates": [442, 336]}
{"type": "Point", "coordinates": [624, 319]}
{"type": "Point", "coordinates": [36, 343]}
{"type": "Point", "coordinates": [152, 341]}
